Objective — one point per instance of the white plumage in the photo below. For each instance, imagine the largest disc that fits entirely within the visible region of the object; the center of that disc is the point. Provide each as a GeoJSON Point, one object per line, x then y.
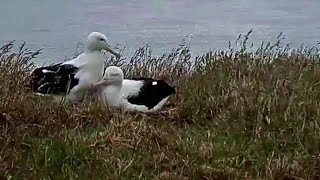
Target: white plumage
{"type": "Point", "coordinates": [82, 71]}
{"type": "Point", "coordinates": [140, 94]}
{"type": "Point", "coordinates": [89, 72]}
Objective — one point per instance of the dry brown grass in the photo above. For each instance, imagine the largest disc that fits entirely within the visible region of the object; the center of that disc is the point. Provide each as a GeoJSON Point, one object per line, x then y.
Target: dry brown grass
{"type": "Point", "coordinates": [237, 115]}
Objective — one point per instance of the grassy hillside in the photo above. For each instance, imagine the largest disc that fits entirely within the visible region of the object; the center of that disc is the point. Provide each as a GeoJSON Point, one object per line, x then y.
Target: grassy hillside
{"type": "Point", "coordinates": [236, 115]}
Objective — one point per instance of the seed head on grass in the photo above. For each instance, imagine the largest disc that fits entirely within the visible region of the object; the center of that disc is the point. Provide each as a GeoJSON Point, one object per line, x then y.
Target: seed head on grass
{"type": "Point", "coordinates": [237, 114]}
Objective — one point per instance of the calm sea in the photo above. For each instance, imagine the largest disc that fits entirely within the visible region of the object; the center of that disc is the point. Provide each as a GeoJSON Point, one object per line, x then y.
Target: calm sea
{"type": "Point", "coordinates": [58, 25]}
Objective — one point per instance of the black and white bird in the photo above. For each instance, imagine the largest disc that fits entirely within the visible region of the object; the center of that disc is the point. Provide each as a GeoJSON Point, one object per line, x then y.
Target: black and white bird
{"type": "Point", "coordinates": [137, 94]}
{"type": "Point", "coordinates": [74, 77]}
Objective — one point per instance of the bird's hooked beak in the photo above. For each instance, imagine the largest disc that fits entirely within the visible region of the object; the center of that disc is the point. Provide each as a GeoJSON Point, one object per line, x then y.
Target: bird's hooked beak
{"type": "Point", "coordinates": [108, 48]}
{"type": "Point", "coordinates": [100, 84]}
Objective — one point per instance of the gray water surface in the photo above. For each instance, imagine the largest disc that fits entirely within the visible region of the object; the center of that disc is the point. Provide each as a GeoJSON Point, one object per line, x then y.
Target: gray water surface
{"type": "Point", "coordinates": [57, 26]}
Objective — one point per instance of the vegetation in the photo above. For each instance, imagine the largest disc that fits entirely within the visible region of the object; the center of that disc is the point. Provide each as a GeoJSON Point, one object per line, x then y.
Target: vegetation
{"type": "Point", "coordinates": [237, 115]}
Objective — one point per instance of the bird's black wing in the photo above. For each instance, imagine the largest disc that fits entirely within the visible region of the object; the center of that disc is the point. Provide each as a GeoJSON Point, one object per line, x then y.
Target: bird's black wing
{"type": "Point", "coordinates": [151, 92]}
{"type": "Point", "coordinates": [54, 79]}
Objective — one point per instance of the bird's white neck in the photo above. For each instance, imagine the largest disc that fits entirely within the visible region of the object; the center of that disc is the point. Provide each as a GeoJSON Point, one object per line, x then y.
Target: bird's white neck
{"type": "Point", "coordinates": [92, 69]}
{"type": "Point", "coordinates": [113, 94]}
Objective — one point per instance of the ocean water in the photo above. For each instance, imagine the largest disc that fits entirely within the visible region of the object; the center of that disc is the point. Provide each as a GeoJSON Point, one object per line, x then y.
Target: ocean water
{"type": "Point", "coordinates": [58, 26]}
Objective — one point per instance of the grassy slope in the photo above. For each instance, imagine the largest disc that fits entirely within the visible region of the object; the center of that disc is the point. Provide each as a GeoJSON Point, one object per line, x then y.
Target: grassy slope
{"type": "Point", "coordinates": [237, 115]}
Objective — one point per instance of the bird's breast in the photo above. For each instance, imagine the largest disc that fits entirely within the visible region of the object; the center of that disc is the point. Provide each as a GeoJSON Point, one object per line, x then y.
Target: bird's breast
{"type": "Point", "coordinates": [113, 95]}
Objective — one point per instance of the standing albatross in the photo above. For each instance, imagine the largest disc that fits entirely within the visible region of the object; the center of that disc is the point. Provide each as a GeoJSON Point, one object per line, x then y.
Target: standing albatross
{"type": "Point", "coordinates": [138, 94]}
{"type": "Point", "coordinates": [74, 77]}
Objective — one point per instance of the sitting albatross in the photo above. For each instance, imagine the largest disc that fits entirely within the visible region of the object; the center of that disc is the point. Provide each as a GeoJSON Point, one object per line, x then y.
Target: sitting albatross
{"type": "Point", "coordinates": [137, 94]}
{"type": "Point", "coordinates": [74, 77]}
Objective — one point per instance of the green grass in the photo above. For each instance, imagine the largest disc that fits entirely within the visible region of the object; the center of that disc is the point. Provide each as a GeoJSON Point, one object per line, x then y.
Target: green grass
{"type": "Point", "coordinates": [237, 115]}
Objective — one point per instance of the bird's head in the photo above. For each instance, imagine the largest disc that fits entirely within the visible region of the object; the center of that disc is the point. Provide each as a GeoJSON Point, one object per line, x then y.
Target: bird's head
{"type": "Point", "coordinates": [113, 74]}
{"type": "Point", "coordinates": [97, 41]}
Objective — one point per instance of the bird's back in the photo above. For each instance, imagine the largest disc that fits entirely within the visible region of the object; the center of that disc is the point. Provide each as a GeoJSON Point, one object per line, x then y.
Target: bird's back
{"type": "Point", "coordinates": [151, 92]}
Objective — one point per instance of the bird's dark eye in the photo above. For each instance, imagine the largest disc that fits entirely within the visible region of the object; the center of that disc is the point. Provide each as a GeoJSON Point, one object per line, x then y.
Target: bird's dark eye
{"type": "Point", "coordinates": [101, 39]}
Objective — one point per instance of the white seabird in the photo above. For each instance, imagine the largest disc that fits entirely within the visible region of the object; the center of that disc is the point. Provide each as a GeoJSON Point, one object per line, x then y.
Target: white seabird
{"type": "Point", "coordinates": [137, 94]}
{"type": "Point", "coordinates": [74, 77]}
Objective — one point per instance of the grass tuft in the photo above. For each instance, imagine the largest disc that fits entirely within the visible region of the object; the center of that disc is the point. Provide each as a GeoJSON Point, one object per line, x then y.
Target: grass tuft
{"type": "Point", "coordinates": [238, 114]}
